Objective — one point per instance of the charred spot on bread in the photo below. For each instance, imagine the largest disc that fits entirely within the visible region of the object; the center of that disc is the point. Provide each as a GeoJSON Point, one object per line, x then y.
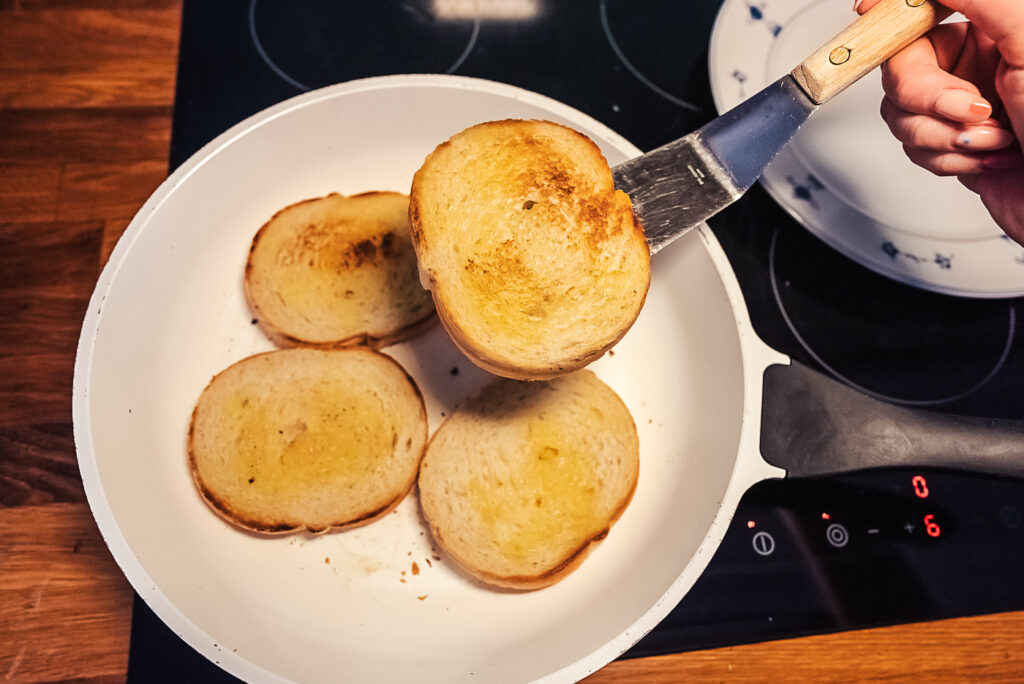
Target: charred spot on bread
{"type": "Point", "coordinates": [336, 271]}
{"type": "Point", "coordinates": [536, 264]}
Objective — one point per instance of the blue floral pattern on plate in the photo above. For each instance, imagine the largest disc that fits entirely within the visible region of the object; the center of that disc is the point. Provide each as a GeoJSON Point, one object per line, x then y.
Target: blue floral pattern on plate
{"type": "Point", "coordinates": [741, 44]}
{"type": "Point", "coordinates": [757, 13]}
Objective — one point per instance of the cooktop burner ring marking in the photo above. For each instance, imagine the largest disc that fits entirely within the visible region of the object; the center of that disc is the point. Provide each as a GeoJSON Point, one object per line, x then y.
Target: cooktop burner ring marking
{"type": "Point", "coordinates": [254, 35]}
{"type": "Point", "coordinates": [606, 25]}
{"type": "Point", "coordinates": [1011, 333]}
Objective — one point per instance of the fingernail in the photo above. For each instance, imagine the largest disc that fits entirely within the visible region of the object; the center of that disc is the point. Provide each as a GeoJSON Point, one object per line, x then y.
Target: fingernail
{"type": "Point", "coordinates": [1003, 161]}
{"type": "Point", "coordinates": [961, 105]}
{"type": "Point", "coordinates": [984, 138]}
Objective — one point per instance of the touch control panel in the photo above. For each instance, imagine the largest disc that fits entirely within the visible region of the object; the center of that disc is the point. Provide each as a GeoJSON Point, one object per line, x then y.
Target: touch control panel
{"type": "Point", "coordinates": [869, 548]}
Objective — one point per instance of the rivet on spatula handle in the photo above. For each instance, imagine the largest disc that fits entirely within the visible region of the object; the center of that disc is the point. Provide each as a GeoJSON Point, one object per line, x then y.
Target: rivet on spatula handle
{"type": "Point", "coordinates": [884, 30]}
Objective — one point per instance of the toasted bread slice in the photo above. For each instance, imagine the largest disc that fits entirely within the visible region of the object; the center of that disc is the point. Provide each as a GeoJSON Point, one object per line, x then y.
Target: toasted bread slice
{"type": "Point", "coordinates": [307, 439]}
{"type": "Point", "coordinates": [521, 482]}
{"type": "Point", "coordinates": [337, 271]}
{"type": "Point", "coordinates": [536, 263]}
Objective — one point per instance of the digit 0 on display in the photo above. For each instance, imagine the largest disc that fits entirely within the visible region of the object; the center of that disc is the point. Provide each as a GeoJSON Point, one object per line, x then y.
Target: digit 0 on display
{"type": "Point", "coordinates": [920, 486]}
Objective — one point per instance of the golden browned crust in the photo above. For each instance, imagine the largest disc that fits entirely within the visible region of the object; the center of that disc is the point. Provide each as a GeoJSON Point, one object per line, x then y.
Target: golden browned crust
{"type": "Point", "coordinates": [263, 527]}
{"type": "Point", "coordinates": [551, 576]}
{"type": "Point", "coordinates": [356, 254]}
{"type": "Point", "coordinates": [485, 359]}
{"type": "Point", "coordinates": [284, 340]}
{"type": "Point", "coordinates": [591, 210]}
{"type": "Point", "coordinates": [435, 498]}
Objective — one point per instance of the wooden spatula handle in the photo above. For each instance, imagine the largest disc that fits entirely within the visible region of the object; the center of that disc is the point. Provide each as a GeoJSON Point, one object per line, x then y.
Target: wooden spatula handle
{"type": "Point", "coordinates": [884, 30]}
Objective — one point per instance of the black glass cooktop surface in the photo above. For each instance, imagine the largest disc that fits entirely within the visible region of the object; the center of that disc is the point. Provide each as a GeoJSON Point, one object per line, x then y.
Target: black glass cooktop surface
{"type": "Point", "coordinates": [801, 556]}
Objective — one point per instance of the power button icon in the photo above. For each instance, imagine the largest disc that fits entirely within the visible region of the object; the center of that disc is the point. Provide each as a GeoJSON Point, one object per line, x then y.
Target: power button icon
{"type": "Point", "coordinates": [763, 543]}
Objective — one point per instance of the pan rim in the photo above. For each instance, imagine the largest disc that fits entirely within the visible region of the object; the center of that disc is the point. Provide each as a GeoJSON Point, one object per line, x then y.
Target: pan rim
{"type": "Point", "coordinates": [748, 469]}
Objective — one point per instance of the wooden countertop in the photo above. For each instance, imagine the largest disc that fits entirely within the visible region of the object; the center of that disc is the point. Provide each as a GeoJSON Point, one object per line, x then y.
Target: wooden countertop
{"type": "Point", "coordinates": [86, 91]}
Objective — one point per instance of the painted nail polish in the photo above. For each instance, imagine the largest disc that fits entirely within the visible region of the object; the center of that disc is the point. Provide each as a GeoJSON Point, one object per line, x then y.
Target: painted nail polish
{"type": "Point", "coordinates": [984, 138]}
{"type": "Point", "coordinates": [961, 105]}
{"type": "Point", "coordinates": [981, 109]}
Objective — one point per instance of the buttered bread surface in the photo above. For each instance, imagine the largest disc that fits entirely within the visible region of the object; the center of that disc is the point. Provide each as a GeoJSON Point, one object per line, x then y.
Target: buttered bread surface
{"type": "Point", "coordinates": [307, 439]}
{"type": "Point", "coordinates": [536, 263]}
{"type": "Point", "coordinates": [526, 477]}
{"type": "Point", "coordinates": [337, 271]}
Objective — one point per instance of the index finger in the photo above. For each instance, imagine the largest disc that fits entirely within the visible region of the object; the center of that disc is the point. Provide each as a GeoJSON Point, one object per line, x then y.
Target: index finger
{"type": "Point", "coordinates": [915, 81]}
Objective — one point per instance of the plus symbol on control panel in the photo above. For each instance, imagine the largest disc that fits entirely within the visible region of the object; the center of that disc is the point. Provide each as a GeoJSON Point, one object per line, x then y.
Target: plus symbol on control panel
{"type": "Point", "coordinates": [909, 527]}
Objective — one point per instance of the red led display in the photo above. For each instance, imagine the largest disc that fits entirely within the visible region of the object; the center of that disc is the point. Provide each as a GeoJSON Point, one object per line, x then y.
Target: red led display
{"type": "Point", "coordinates": [920, 487]}
{"type": "Point", "coordinates": [930, 526]}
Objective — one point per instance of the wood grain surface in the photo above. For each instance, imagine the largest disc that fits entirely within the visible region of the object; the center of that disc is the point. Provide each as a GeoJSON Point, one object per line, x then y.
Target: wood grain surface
{"type": "Point", "coordinates": [887, 28]}
{"type": "Point", "coordinates": [86, 91]}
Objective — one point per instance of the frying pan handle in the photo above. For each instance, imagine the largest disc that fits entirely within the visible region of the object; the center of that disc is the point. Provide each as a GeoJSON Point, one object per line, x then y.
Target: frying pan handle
{"type": "Point", "coordinates": [814, 425]}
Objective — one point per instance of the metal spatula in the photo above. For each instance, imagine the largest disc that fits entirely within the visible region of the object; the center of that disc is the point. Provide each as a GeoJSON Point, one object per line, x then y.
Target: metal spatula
{"type": "Point", "coordinates": [681, 184]}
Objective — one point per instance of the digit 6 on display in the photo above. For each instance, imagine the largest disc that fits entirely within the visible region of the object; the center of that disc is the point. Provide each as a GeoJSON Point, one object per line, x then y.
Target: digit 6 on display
{"type": "Point", "coordinates": [930, 526]}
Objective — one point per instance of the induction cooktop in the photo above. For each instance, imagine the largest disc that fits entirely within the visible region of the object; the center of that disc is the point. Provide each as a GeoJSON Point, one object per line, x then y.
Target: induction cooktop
{"type": "Point", "coordinates": [802, 556]}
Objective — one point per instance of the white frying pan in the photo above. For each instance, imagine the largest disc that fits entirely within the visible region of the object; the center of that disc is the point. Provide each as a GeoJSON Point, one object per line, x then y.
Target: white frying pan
{"type": "Point", "coordinates": [380, 603]}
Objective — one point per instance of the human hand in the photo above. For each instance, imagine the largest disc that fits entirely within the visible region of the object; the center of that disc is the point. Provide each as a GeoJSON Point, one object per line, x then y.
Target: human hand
{"type": "Point", "coordinates": [955, 99]}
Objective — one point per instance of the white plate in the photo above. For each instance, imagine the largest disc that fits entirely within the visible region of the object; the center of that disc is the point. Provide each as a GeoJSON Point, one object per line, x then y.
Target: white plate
{"type": "Point", "coordinates": [844, 176]}
{"type": "Point", "coordinates": [169, 312]}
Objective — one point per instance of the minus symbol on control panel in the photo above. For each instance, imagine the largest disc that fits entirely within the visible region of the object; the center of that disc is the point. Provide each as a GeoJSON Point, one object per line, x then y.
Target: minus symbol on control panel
{"type": "Point", "coordinates": [873, 530]}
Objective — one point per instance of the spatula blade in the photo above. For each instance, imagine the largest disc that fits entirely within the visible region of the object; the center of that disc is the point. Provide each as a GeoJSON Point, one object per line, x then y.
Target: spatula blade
{"type": "Point", "coordinates": [679, 185]}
